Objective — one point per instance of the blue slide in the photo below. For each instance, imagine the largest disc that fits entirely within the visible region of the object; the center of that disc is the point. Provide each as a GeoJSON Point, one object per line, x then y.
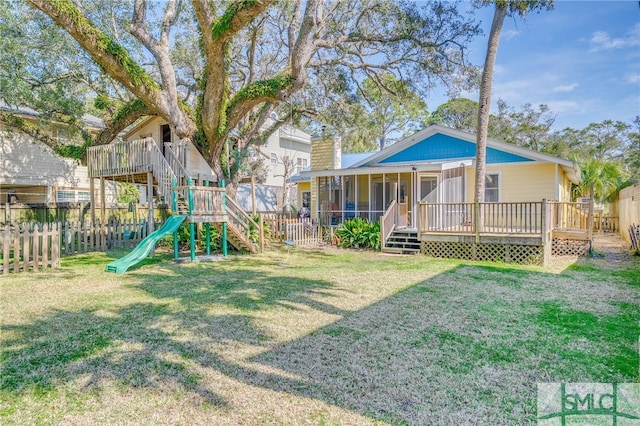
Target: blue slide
{"type": "Point", "coordinates": [145, 246]}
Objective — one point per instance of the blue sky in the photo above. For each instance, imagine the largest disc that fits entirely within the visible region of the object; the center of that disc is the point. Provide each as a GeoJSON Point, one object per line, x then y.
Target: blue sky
{"type": "Point", "coordinates": [582, 59]}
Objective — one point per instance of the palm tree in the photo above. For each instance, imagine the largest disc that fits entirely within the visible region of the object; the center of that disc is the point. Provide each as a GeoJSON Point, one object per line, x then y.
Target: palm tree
{"type": "Point", "coordinates": [485, 98]}
{"type": "Point", "coordinates": [607, 178]}
{"type": "Point", "coordinates": [502, 9]}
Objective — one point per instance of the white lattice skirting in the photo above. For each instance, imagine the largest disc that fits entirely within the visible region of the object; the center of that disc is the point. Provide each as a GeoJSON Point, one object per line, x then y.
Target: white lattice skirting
{"type": "Point", "coordinates": [564, 247]}
{"type": "Point", "coordinates": [523, 254]}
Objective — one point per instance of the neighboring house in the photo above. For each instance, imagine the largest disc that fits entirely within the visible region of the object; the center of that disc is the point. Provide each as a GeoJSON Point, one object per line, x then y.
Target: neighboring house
{"type": "Point", "coordinates": [286, 152]}
{"type": "Point", "coordinates": [435, 165]}
{"type": "Point", "coordinates": [31, 173]}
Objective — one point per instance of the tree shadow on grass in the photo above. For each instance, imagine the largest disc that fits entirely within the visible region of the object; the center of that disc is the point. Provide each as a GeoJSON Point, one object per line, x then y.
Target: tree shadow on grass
{"type": "Point", "coordinates": [448, 349]}
{"type": "Point", "coordinates": [126, 348]}
{"type": "Point", "coordinates": [156, 344]}
{"type": "Point", "coordinates": [239, 288]}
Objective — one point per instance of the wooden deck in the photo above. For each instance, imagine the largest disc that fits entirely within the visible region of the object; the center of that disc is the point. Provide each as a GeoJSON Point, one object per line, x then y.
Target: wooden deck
{"type": "Point", "coordinates": [489, 238]}
{"type": "Point", "coordinates": [527, 232]}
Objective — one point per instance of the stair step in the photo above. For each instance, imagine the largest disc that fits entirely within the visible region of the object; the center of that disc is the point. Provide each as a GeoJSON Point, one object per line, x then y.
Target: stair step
{"type": "Point", "coordinates": [402, 240]}
{"type": "Point", "coordinates": [399, 250]}
{"type": "Point", "coordinates": [404, 246]}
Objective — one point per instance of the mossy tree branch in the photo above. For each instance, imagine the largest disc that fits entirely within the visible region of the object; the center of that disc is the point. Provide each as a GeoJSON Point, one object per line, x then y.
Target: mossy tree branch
{"type": "Point", "coordinates": [115, 60]}
{"type": "Point", "coordinates": [126, 115]}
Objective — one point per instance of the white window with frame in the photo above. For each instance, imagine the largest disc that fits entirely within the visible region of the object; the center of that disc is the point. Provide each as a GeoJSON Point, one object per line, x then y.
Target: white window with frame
{"type": "Point", "coordinates": [492, 187]}
{"type": "Point", "coordinates": [274, 158]}
{"type": "Point", "coordinates": [71, 196]}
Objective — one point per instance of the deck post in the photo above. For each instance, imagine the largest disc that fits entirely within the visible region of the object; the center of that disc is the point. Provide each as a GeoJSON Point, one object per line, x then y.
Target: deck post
{"type": "Point", "coordinates": [103, 212]}
{"type": "Point", "coordinates": [207, 228]}
{"type": "Point", "coordinates": [103, 215]}
{"type": "Point", "coordinates": [174, 209]}
{"type": "Point", "coordinates": [192, 226]}
{"type": "Point", "coordinates": [476, 220]}
{"type": "Point", "coordinates": [261, 224]}
{"type": "Point", "coordinates": [543, 222]}
{"type": "Point", "coordinates": [92, 199]}
{"type": "Point", "coordinates": [545, 227]}
{"type": "Point", "coordinates": [223, 243]}
{"type": "Point", "coordinates": [150, 223]}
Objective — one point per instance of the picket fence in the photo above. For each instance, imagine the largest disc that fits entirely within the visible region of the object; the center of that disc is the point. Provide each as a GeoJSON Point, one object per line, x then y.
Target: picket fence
{"type": "Point", "coordinates": [34, 246]}
{"type": "Point", "coordinates": [293, 230]}
{"type": "Point", "coordinates": [29, 249]}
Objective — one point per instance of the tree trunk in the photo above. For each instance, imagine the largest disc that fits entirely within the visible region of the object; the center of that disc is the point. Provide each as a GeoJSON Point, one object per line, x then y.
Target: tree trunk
{"type": "Point", "coordinates": [484, 105]}
{"type": "Point", "coordinates": [485, 100]}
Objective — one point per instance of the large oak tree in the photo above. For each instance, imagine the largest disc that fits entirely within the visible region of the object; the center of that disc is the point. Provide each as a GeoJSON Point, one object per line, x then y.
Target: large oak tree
{"type": "Point", "coordinates": [217, 71]}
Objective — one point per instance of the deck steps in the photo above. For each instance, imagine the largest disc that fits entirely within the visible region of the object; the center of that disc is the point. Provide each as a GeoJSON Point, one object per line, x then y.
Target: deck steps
{"type": "Point", "coordinates": [403, 241]}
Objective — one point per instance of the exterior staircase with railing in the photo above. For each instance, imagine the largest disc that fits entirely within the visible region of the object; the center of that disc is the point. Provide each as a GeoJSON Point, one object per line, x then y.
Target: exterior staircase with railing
{"type": "Point", "coordinates": [240, 227]}
{"type": "Point", "coordinates": [395, 236]}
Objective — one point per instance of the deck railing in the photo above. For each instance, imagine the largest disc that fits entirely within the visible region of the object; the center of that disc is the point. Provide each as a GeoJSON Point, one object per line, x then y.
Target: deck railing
{"type": "Point", "coordinates": [119, 158]}
{"type": "Point", "coordinates": [174, 154]}
{"type": "Point", "coordinates": [497, 218]}
{"type": "Point", "coordinates": [388, 222]}
{"type": "Point", "coordinates": [525, 218]}
{"type": "Point", "coordinates": [570, 215]}
{"type": "Point", "coordinates": [134, 157]}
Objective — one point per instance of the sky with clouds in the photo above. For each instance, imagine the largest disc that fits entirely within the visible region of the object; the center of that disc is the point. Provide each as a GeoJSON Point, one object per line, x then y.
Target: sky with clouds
{"type": "Point", "coordinates": [582, 59]}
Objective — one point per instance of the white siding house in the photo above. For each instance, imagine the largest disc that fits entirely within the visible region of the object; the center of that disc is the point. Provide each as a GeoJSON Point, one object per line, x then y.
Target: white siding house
{"type": "Point", "coordinates": [286, 152]}
{"type": "Point", "coordinates": [30, 172]}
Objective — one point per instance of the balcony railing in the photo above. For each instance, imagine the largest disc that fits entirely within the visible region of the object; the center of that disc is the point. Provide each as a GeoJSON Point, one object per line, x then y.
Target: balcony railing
{"type": "Point", "coordinates": [120, 158]}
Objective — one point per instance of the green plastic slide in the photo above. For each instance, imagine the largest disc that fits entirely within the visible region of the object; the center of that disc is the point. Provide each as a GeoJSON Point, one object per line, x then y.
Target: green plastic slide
{"type": "Point", "coordinates": [145, 246]}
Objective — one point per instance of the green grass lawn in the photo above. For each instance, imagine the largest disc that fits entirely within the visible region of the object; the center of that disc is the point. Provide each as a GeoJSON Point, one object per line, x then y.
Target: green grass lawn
{"type": "Point", "coordinates": [309, 337]}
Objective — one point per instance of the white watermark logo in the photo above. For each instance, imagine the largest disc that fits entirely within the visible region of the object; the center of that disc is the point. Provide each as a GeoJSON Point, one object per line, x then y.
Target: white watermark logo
{"type": "Point", "coordinates": [616, 404]}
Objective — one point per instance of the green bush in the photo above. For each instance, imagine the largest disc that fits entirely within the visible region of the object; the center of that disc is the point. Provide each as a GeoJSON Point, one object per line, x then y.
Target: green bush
{"type": "Point", "coordinates": [183, 238]}
{"type": "Point", "coordinates": [254, 233]}
{"type": "Point", "coordinates": [359, 233]}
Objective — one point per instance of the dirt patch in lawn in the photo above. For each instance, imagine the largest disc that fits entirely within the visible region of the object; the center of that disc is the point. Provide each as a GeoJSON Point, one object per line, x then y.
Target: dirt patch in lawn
{"type": "Point", "coordinates": [609, 251]}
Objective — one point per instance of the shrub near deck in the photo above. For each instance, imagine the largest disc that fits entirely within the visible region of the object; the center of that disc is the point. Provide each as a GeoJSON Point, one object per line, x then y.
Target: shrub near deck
{"type": "Point", "coordinates": [301, 336]}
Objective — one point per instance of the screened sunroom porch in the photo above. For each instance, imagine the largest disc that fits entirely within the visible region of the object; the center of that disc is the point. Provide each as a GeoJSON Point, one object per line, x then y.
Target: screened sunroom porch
{"type": "Point", "coordinates": [370, 192]}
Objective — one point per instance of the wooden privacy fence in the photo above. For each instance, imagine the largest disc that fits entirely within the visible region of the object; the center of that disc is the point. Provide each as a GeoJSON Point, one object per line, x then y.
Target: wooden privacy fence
{"type": "Point", "coordinates": [36, 246]}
